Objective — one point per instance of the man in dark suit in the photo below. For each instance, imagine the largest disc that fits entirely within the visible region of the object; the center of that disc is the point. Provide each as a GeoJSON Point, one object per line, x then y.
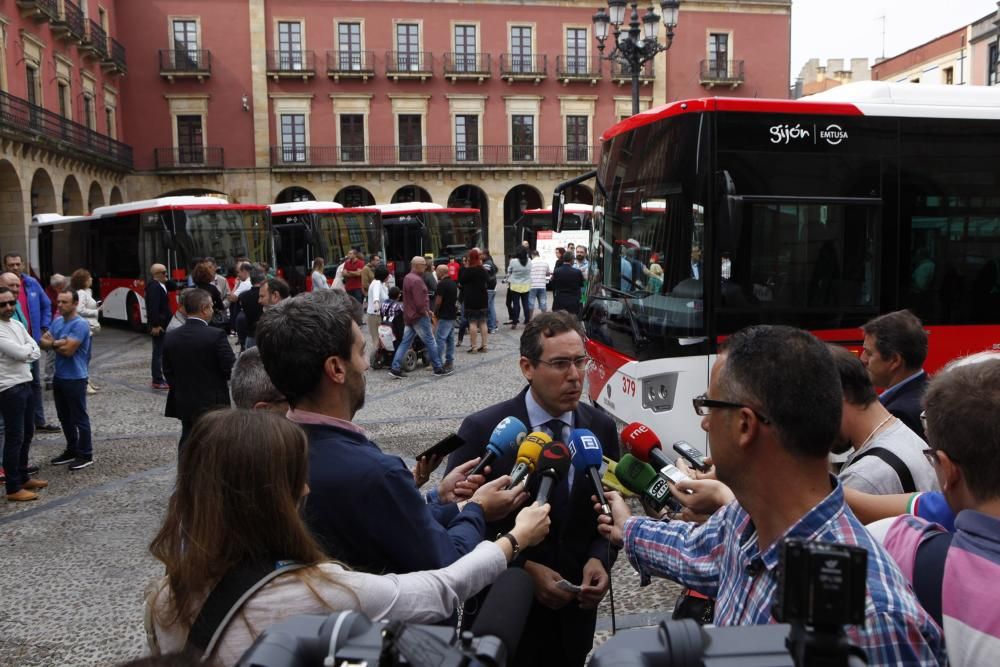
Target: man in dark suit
{"type": "Point", "coordinates": [566, 283]}
{"type": "Point", "coordinates": [894, 351]}
{"type": "Point", "coordinates": [560, 626]}
{"type": "Point", "coordinates": [250, 307]}
{"type": "Point", "coordinates": [197, 362]}
{"type": "Point", "coordinates": [158, 317]}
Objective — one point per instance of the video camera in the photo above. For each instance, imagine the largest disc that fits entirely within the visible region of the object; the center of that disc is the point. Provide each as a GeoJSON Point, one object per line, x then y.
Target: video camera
{"type": "Point", "coordinates": [821, 588]}
{"type": "Point", "coordinates": [349, 639]}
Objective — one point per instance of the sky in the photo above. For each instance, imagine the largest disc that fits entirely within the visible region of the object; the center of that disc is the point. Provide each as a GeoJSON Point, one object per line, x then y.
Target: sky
{"type": "Point", "coordinates": [853, 29]}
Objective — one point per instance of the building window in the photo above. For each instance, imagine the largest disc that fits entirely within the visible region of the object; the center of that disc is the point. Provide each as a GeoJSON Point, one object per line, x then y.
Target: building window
{"type": "Point", "coordinates": [290, 45]}
{"type": "Point", "coordinates": [89, 112]}
{"type": "Point", "coordinates": [467, 137]}
{"type": "Point", "coordinates": [408, 47]}
{"type": "Point", "coordinates": [577, 139]}
{"type": "Point", "coordinates": [186, 44]}
{"type": "Point", "coordinates": [31, 72]}
{"type": "Point", "coordinates": [576, 51]}
{"type": "Point", "coordinates": [718, 55]}
{"type": "Point", "coordinates": [349, 46]}
{"type": "Point", "coordinates": [410, 139]}
{"type": "Point", "coordinates": [109, 120]}
{"type": "Point", "coordinates": [293, 137]}
{"type": "Point", "coordinates": [465, 48]}
{"type": "Point", "coordinates": [522, 132]}
{"type": "Point", "coordinates": [520, 49]}
{"type": "Point", "coordinates": [949, 76]}
{"type": "Point", "coordinates": [352, 137]}
{"type": "Point", "coordinates": [64, 107]}
{"type": "Point", "coordinates": [190, 140]}
{"type": "Point", "coordinates": [991, 65]}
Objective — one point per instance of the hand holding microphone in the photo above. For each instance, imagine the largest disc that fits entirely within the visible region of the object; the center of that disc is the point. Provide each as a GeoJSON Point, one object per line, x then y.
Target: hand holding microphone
{"type": "Point", "coordinates": [531, 525]}
{"type": "Point", "coordinates": [498, 501]}
{"type": "Point", "coordinates": [611, 526]}
{"type": "Point", "coordinates": [507, 435]}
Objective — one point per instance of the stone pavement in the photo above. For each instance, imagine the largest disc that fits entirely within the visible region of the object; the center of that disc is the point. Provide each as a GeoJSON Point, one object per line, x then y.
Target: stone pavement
{"type": "Point", "coordinates": [76, 561]}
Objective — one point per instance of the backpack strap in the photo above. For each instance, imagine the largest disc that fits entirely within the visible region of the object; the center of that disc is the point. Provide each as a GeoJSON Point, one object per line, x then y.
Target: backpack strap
{"type": "Point", "coordinates": [928, 572]}
{"type": "Point", "coordinates": [227, 598]}
{"type": "Point", "coordinates": [894, 462]}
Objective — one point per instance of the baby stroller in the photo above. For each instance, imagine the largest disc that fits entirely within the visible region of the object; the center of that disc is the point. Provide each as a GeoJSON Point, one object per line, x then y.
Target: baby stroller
{"type": "Point", "coordinates": [390, 335]}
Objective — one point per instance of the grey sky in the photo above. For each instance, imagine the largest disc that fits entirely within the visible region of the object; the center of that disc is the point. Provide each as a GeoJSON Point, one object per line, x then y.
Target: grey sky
{"type": "Point", "coordinates": [852, 29]}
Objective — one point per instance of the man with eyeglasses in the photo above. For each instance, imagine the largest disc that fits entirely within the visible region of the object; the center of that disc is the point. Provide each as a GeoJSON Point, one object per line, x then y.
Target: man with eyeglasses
{"type": "Point", "coordinates": [772, 410]}
{"type": "Point", "coordinates": [560, 626]}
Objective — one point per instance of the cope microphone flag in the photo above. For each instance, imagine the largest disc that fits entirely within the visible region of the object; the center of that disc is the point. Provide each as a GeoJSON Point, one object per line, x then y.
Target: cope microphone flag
{"type": "Point", "coordinates": [527, 456]}
{"type": "Point", "coordinates": [553, 465]}
{"type": "Point", "coordinates": [642, 443]}
{"type": "Point", "coordinates": [505, 437]}
{"type": "Point", "coordinates": [587, 455]}
{"type": "Point", "coordinates": [640, 477]}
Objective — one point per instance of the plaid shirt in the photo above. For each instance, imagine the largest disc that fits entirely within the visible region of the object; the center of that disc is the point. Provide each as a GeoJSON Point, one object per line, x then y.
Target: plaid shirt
{"type": "Point", "coordinates": [721, 559]}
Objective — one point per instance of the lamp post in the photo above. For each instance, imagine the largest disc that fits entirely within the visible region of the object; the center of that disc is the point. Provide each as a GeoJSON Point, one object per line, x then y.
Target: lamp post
{"type": "Point", "coordinates": [636, 42]}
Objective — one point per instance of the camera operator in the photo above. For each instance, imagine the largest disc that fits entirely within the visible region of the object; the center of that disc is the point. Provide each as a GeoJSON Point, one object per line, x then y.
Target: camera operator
{"type": "Point", "coordinates": [772, 410]}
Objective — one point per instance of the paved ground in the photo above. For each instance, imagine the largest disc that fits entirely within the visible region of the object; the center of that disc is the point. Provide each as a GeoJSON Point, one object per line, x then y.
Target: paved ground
{"type": "Point", "coordinates": [76, 562]}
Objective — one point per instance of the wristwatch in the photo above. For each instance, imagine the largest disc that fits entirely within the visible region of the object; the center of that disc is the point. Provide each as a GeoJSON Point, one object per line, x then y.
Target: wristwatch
{"type": "Point", "coordinates": [513, 543]}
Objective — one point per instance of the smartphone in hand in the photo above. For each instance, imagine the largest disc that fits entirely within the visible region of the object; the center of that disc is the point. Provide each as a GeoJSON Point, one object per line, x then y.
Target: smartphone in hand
{"type": "Point", "coordinates": [692, 456]}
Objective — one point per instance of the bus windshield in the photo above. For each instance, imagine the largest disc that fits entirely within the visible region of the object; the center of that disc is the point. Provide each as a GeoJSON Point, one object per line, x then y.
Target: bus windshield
{"type": "Point", "coordinates": [339, 231]}
{"type": "Point", "coordinates": [452, 234]}
{"type": "Point", "coordinates": [225, 234]}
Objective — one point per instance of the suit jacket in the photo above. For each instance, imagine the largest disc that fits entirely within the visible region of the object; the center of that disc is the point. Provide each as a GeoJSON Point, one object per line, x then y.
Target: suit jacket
{"type": "Point", "coordinates": [157, 305]}
{"type": "Point", "coordinates": [197, 361]}
{"type": "Point", "coordinates": [250, 307]}
{"type": "Point", "coordinates": [567, 284]}
{"type": "Point", "coordinates": [904, 403]}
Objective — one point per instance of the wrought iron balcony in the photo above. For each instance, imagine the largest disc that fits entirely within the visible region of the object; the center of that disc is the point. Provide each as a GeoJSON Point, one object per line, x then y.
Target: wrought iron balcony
{"type": "Point", "coordinates": [23, 121]}
{"type": "Point", "coordinates": [620, 73]}
{"type": "Point", "coordinates": [578, 68]}
{"type": "Point", "coordinates": [460, 156]}
{"type": "Point", "coordinates": [115, 62]}
{"type": "Point", "coordinates": [181, 63]}
{"type": "Point", "coordinates": [287, 63]}
{"type": "Point", "coordinates": [95, 44]}
{"type": "Point", "coordinates": [519, 67]}
{"type": "Point", "coordinates": [350, 65]}
{"type": "Point", "coordinates": [721, 73]}
{"type": "Point", "coordinates": [70, 24]}
{"type": "Point", "coordinates": [474, 66]}
{"type": "Point", "coordinates": [409, 64]}
{"type": "Point", "coordinates": [195, 158]}
{"type": "Point", "coordinates": [39, 10]}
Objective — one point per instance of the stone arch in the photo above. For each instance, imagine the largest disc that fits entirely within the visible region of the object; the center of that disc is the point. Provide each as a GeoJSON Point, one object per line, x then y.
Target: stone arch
{"type": "Point", "coordinates": [518, 199]}
{"type": "Point", "coordinates": [473, 196]}
{"type": "Point", "coordinates": [294, 193]}
{"type": "Point", "coordinates": [43, 193]}
{"type": "Point", "coordinates": [12, 216]}
{"type": "Point", "coordinates": [354, 196]}
{"type": "Point", "coordinates": [409, 193]}
{"type": "Point", "coordinates": [116, 196]}
{"type": "Point", "coordinates": [192, 192]}
{"type": "Point", "coordinates": [95, 197]}
{"type": "Point", "coordinates": [72, 197]}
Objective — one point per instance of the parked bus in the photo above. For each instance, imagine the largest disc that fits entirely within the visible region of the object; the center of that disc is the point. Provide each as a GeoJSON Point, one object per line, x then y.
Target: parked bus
{"type": "Point", "coordinates": [536, 227]}
{"type": "Point", "coordinates": [119, 243]}
{"type": "Point", "coordinates": [714, 214]}
{"type": "Point", "coordinates": [308, 229]}
{"type": "Point", "coordinates": [422, 228]}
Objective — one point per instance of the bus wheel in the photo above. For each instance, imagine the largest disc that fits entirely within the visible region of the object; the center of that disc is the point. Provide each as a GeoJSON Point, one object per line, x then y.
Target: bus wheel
{"type": "Point", "coordinates": [134, 313]}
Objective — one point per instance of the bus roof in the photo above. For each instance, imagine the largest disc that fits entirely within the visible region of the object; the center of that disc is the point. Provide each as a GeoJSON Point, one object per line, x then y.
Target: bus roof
{"type": "Point", "coordinates": [171, 202]}
{"type": "Point", "coordinates": [419, 207]}
{"type": "Point", "coordinates": [573, 207]}
{"type": "Point", "coordinates": [302, 206]}
{"type": "Point", "coordinates": [864, 98]}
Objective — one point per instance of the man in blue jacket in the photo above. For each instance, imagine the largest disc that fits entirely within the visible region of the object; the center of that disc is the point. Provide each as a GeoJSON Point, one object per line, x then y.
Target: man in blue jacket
{"type": "Point", "coordinates": [37, 308]}
{"type": "Point", "coordinates": [363, 504]}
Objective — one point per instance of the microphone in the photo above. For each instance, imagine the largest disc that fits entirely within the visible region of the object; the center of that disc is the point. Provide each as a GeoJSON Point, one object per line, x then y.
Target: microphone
{"type": "Point", "coordinates": [505, 437]}
{"type": "Point", "coordinates": [639, 477]}
{"type": "Point", "coordinates": [504, 614]}
{"type": "Point", "coordinates": [642, 443]}
{"type": "Point", "coordinates": [587, 457]}
{"type": "Point", "coordinates": [553, 464]}
{"type": "Point", "coordinates": [527, 456]}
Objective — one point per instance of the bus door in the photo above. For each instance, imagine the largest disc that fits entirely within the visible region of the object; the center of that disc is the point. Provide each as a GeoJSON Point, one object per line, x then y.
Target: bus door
{"type": "Point", "coordinates": [291, 245]}
{"type": "Point", "coordinates": [404, 240]}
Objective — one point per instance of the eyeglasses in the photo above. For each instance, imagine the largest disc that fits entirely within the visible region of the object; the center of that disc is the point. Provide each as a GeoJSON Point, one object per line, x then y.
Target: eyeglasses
{"type": "Point", "coordinates": [5, 304]}
{"type": "Point", "coordinates": [562, 365]}
{"type": "Point", "coordinates": [703, 403]}
{"type": "Point", "coordinates": [931, 455]}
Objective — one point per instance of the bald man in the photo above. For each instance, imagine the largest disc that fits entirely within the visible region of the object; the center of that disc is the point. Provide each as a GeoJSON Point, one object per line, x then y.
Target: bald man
{"type": "Point", "coordinates": [417, 317]}
{"type": "Point", "coordinates": [158, 316]}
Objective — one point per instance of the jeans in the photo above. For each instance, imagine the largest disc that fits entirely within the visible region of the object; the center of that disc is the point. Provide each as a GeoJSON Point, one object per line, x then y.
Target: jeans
{"type": "Point", "coordinates": [16, 408]}
{"type": "Point", "coordinates": [71, 406]}
{"type": "Point", "coordinates": [156, 365]}
{"type": "Point", "coordinates": [491, 318]}
{"type": "Point", "coordinates": [518, 301]}
{"type": "Point", "coordinates": [357, 294]}
{"type": "Point", "coordinates": [445, 340]}
{"type": "Point", "coordinates": [36, 390]}
{"type": "Point", "coordinates": [538, 299]}
{"type": "Point", "coordinates": [422, 328]}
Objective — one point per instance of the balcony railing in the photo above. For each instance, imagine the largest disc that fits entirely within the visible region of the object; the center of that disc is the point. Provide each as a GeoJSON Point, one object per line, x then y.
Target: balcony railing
{"type": "Point", "coordinates": [39, 10]}
{"type": "Point", "coordinates": [409, 64]}
{"type": "Point", "coordinates": [26, 122]}
{"type": "Point", "coordinates": [285, 63]}
{"type": "Point", "coordinates": [578, 68]}
{"type": "Point", "coordinates": [185, 63]}
{"type": "Point", "coordinates": [70, 24]}
{"type": "Point", "coordinates": [189, 157]}
{"type": "Point", "coordinates": [115, 63]}
{"type": "Point", "coordinates": [467, 66]}
{"type": "Point", "coordinates": [96, 42]}
{"type": "Point", "coordinates": [350, 64]}
{"type": "Point", "coordinates": [722, 73]}
{"type": "Point", "coordinates": [516, 66]}
{"type": "Point", "coordinates": [462, 155]}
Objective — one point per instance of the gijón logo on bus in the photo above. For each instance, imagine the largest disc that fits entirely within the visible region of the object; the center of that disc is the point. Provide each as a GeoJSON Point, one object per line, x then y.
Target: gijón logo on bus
{"type": "Point", "coordinates": [785, 134]}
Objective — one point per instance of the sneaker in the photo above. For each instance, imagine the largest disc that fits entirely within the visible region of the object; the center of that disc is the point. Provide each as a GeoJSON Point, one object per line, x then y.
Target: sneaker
{"type": "Point", "coordinates": [493, 330]}
{"type": "Point", "coordinates": [444, 371]}
{"type": "Point", "coordinates": [31, 470]}
{"type": "Point", "coordinates": [81, 462]}
{"type": "Point", "coordinates": [396, 375]}
{"type": "Point", "coordinates": [48, 428]}
{"type": "Point", "coordinates": [34, 484]}
{"type": "Point", "coordinates": [64, 458]}
{"type": "Point", "coordinates": [159, 385]}
{"type": "Point", "coordinates": [450, 366]}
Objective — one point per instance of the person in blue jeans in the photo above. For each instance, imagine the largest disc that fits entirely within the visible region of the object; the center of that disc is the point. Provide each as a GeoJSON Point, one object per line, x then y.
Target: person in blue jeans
{"type": "Point", "coordinates": [69, 336]}
{"type": "Point", "coordinates": [491, 292]}
{"type": "Point", "coordinates": [417, 316]}
{"type": "Point", "coordinates": [446, 311]}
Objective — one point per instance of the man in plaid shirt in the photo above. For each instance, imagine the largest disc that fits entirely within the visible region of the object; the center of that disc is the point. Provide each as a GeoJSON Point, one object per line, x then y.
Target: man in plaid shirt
{"type": "Point", "coordinates": [772, 410]}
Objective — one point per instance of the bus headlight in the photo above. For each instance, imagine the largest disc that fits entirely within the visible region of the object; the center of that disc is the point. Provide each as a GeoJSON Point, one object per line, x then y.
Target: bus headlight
{"type": "Point", "coordinates": [658, 392]}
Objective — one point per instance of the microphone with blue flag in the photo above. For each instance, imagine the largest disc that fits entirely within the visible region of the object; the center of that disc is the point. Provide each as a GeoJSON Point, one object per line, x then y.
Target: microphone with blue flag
{"type": "Point", "coordinates": [587, 455]}
{"type": "Point", "coordinates": [505, 437]}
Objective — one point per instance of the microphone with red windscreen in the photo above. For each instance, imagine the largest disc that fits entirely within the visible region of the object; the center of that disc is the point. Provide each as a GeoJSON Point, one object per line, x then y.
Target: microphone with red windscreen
{"type": "Point", "coordinates": [553, 465]}
{"type": "Point", "coordinates": [642, 443]}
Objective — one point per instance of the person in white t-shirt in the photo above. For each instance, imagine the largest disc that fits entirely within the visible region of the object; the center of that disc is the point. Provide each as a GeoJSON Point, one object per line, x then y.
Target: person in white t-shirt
{"type": "Point", "coordinates": [318, 277]}
{"type": "Point", "coordinates": [378, 294]}
{"type": "Point", "coordinates": [540, 273]}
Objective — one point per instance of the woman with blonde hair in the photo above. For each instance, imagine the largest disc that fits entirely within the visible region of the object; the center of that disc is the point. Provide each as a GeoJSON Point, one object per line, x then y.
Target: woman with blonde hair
{"type": "Point", "coordinates": [318, 277]}
{"type": "Point", "coordinates": [81, 282]}
{"type": "Point", "coordinates": [240, 481]}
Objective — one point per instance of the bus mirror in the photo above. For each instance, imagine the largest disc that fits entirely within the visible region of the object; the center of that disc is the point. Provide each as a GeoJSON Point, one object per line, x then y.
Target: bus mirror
{"type": "Point", "coordinates": [557, 210]}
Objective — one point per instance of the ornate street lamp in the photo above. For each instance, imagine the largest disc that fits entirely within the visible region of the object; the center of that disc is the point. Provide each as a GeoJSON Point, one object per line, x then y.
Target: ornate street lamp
{"type": "Point", "coordinates": [637, 42]}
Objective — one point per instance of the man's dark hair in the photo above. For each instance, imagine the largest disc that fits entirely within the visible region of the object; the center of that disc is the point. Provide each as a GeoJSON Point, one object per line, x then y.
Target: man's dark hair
{"type": "Point", "coordinates": [250, 383]}
{"type": "Point", "coordinates": [257, 276]}
{"type": "Point", "coordinates": [961, 406]}
{"type": "Point", "coordinates": [381, 273]}
{"type": "Point", "coordinates": [297, 338]}
{"type": "Point", "coordinates": [854, 378]}
{"type": "Point", "coordinates": [12, 255]}
{"type": "Point", "coordinates": [394, 292]}
{"type": "Point", "coordinates": [279, 286]}
{"type": "Point", "coordinates": [5, 290]}
{"type": "Point", "coordinates": [899, 333]}
{"type": "Point", "coordinates": [246, 266]}
{"type": "Point", "coordinates": [546, 325]}
{"type": "Point", "coordinates": [76, 295]}
{"type": "Point", "coordinates": [194, 299]}
{"type": "Point", "coordinates": [789, 376]}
